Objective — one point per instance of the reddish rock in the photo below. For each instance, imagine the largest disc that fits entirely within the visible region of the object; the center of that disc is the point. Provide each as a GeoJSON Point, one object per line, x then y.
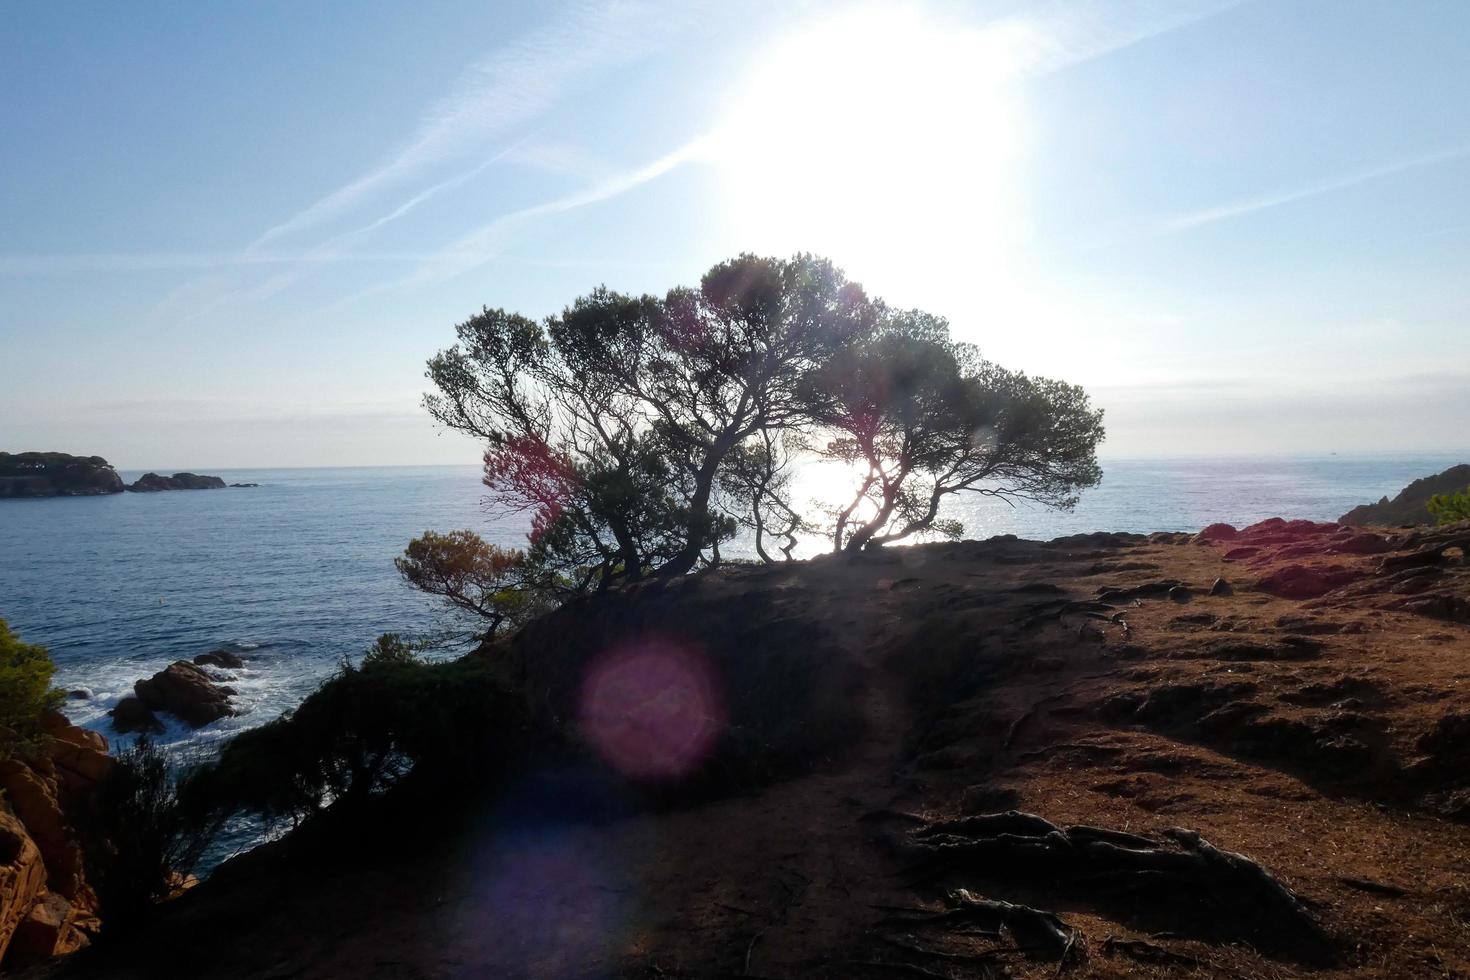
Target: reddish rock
{"type": "Point", "coordinates": [1362, 544]}
{"type": "Point", "coordinates": [1303, 582]}
{"type": "Point", "coordinates": [56, 724]}
{"type": "Point", "coordinates": [34, 800]}
{"type": "Point", "coordinates": [22, 875]}
{"type": "Point", "coordinates": [185, 690]}
{"type": "Point", "coordinates": [1236, 554]}
{"type": "Point", "coordinates": [49, 929]}
{"type": "Point", "coordinates": [1217, 532]}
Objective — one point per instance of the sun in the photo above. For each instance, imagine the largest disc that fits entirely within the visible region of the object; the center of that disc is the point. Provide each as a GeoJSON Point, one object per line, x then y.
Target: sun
{"type": "Point", "coordinates": [882, 139]}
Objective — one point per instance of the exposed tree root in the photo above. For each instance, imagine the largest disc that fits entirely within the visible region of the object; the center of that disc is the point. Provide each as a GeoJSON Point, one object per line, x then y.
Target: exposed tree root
{"type": "Point", "coordinates": [1182, 881]}
{"type": "Point", "coordinates": [1146, 952]}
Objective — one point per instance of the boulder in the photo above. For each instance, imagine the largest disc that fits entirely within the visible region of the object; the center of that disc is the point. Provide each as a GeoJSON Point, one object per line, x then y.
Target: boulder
{"type": "Point", "coordinates": [1303, 582]}
{"type": "Point", "coordinates": [49, 929]}
{"type": "Point", "coordinates": [1217, 532]}
{"type": "Point", "coordinates": [1362, 544]}
{"type": "Point", "coordinates": [186, 691]}
{"type": "Point", "coordinates": [132, 715]}
{"type": "Point", "coordinates": [1221, 587]}
{"type": "Point", "coordinates": [220, 658]}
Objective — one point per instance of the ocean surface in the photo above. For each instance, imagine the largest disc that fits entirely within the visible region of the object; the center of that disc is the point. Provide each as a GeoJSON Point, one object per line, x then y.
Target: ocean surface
{"type": "Point", "coordinates": [298, 574]}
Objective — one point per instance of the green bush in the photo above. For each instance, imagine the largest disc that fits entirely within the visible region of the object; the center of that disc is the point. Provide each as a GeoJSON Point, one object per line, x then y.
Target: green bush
{"type": "Point", "coordinates": [25, 688]}
{"type": "Point", "coordinates": [369, 728]}
{"type": "Point", "coordinates": [1447, 508]}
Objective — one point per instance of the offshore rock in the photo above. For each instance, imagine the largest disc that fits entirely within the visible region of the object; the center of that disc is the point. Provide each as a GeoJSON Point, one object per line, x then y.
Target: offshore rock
{"type": "Point", "coordinates": [185, 690]}
{"type": "Point", "coordinates": [152, 482]}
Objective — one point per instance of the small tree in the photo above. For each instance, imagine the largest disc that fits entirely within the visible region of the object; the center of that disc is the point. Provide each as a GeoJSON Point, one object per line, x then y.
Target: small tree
{"type": "Point", "coordinates": [921, 418]}
{"type": "Point", "coordinates": [1447, 508]}
{"type": "Point", "coordinates": [471, 574]}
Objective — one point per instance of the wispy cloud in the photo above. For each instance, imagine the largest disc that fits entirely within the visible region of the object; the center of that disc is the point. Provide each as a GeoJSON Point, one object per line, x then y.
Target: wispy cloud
{"type": "Point", "coordinates": [1058, 34]}
{"type": "Point", "coordinates": [514, 84]}
{"type": "Point", "coordinates": [1235, 209]}
{"type": "Point", "coordinates": [1051, 37]}
{"type": "Point", "coordinates": [524, 79]}
{"type": "Point", "coordinates": [485, 243]}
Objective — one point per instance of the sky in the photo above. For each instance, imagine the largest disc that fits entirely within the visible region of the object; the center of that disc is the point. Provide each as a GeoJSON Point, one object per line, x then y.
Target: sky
{"type": "Point", "coordinates": [231, 234]}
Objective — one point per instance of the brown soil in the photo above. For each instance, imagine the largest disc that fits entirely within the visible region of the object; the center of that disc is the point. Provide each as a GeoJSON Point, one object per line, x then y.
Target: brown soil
{"type": "Point", "coordinates": [1323, 738]}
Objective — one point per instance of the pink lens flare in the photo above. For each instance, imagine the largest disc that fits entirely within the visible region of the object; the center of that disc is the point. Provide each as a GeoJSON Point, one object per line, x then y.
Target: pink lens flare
{"type": "Point", "coordinates": [652, 709]}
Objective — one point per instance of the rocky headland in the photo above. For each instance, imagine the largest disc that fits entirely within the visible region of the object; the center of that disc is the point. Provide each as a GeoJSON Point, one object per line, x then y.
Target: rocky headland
{"type": "Point", "coordinates": [1239, 753]}
{"type": "Point", "coordinates": [63, 475]}
{"type": "Point", "coordinates": [56, 475]}
{"type": "Point", "coordinates": [1411, 504]}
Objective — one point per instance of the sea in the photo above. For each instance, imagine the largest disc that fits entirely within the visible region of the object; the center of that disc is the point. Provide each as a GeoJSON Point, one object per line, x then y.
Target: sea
{"type": "Point", "coordinates": [297, 573]}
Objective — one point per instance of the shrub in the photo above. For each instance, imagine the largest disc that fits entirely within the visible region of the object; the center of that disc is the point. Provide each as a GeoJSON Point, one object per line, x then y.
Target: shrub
{"type": "Point", "coordinates": [25, 688]}
{"type": "Point", "coordinates": [1447, 508]}
{"type": "Point", "coordinates": [141, 840]}
{"type": "Point", "coordinates": [369, 728]}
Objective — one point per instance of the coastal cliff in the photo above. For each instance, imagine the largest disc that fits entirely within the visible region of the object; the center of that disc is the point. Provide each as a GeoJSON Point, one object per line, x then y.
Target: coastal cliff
{"type": "Point", "coordinates": [1030, 756]}
{"type": "Point", "coordinates": [56, 475]}
{"type": "Point", "coordinates": [47, 906]}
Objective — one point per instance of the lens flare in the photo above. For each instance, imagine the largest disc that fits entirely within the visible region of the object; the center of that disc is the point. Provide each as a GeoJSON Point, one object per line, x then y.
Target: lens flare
{"type": "Point", "coordinates": [652, 709]}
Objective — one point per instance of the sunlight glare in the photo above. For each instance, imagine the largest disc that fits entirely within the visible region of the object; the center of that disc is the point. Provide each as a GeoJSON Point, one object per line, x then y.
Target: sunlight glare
{"type": "Point", "coordinates": [882, 139]}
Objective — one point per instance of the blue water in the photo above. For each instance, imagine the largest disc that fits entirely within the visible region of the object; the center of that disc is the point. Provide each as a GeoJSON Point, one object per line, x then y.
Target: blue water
{"type": "Point", "coordinates": [298, 573]}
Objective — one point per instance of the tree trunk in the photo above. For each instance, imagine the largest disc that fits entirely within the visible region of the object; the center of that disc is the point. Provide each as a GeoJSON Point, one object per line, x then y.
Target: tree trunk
{"type": "Point", "coordinates": [863, 535]}
{"type": "Point", "coordinates": [704, 482]}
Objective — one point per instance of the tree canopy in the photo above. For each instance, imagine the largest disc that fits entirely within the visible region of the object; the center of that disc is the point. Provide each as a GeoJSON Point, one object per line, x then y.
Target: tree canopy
{"type": "Point", "coordinates": [641, 432]}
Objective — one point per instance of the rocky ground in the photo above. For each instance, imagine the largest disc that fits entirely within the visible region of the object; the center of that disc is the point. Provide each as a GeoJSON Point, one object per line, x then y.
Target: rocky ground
{"type": "Point", "coordinates": [1241, 754]}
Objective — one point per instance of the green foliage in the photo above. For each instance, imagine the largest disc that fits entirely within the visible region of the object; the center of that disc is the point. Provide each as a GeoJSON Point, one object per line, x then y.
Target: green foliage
{"type": "Point", "coordinates": [920, 417]}
{"type": "Point", "coordinates": [368, 729]}
{"type": "Point", "coordinates": [140, 840]}
{"type": "Point", "coordinates": [496, 584]}
{"type": "Point", "coordinates": [25, 688]}
{"type": "Point", "coordinates": [1447, 508]}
